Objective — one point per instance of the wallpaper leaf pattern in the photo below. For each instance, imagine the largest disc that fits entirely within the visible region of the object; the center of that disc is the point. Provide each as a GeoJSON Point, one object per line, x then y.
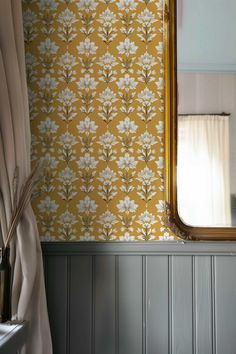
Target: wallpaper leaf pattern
{"type": "Point", "coordinates": [95, 77]}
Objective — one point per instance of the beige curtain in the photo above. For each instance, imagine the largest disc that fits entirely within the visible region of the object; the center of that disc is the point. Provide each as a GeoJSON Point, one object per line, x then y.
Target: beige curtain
{"type": "Point", "coordinates": [203, 174]}
{"type": "Point", "coordinates": [28, 302]}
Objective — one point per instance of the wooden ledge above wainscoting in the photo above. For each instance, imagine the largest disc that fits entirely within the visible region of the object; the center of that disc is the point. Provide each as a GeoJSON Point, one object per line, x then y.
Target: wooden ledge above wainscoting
{"type": "Point", "coordinates": [140, 248]}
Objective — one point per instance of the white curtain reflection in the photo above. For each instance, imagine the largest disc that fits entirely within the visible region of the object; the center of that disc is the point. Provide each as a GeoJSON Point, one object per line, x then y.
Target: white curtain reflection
{"type": "Point", "coordinates": [203, 180]}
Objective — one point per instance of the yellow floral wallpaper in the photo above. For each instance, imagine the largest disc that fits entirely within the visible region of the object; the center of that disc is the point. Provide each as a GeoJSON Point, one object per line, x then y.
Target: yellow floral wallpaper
{"type": "Point", "coordinates": [95, 77]}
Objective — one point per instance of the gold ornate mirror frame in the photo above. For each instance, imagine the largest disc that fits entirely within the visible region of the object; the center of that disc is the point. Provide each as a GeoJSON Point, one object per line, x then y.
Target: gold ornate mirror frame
{"type": "Point", "coordinates": [173, 219]}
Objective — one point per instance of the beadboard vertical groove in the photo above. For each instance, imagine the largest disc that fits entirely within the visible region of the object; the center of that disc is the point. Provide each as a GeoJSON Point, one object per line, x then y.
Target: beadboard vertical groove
{"type": "Point", "coordinates": [203, 303]}
{"type": "Point", "coordinates": [129, 301]}
{"type": "Point", "coordinates": [194, 345]}
{"type": "Point", "coordinates": [117, 335]}
{"type": "Point", "coordinates": [213, 304]}
{"type": "Point", "coordinates": [170, 302]}
{"type": "Point", "coordinates": [144, 304]}
{"type": "Point", "coordinates": [68, 271]}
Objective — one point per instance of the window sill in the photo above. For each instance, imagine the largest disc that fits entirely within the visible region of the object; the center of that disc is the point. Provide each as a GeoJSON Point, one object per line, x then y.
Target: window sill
{"type": "Point", "coordinates": [12, 336]}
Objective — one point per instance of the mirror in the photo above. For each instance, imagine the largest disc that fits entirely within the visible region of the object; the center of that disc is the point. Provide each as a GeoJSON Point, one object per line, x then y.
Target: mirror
{"type": "Point", "coordinates": [200, 103]}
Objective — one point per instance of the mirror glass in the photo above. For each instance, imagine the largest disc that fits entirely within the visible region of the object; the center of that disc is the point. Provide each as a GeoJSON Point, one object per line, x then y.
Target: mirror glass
{"type": "Point", "coordinates": [206, 143]}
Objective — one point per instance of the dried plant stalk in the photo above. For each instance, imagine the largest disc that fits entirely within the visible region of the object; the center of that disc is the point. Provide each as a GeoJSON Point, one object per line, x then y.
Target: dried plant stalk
{"type": "Point", "coordinates": [24, 200]}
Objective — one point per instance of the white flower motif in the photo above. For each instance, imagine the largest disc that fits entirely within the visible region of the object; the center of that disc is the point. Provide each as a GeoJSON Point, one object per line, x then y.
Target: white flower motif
{"type": "Point", "coordinates": [146, 140]}
{"type": "Point", "coordinates": [160, 48]}
{"type": "Point", "coordinates": [67, 176]}
{"type": "Point", "coordinates": [48, 83]}
{"type": "Point", "coordinates": [107, 18]}
{"type": "Point", "coordinates": [30, 60]}
{"type": "Point", "coordinates": [127, 5]}
{"type": "Point", "coordinates": [146, 97]}
{"type": "Point", "coordinates": [107, 219]}
{"type": "Point", "coordinates": [87, 161]}
{"type": "Point", "coordinates": [107, 176]}
{"type": "Point", "coordinates": [67, 218]}
{"type": "Point", "coordinates": [48, 47]}
{"type": "Point", "coordinates": [87, 237]}
{"type": "Point", "coordinates": [146, 219]}
{"type": "Point", "coordinates": [48, 126]}
{"type": "Point", "coordinates": [127, 47]}
{"type": "Point", "coordinates": [146, 18]}
{"type": "Point", "coordinates": [87, 205]}
{"type": "Point", "coordinates": [159, 5]}
{"type": "Point", "coordinates": [146, 176]}
{"type": "Point", "coordinates": [127, 83]}
{"type": "Point", "coordinates": [67, 97]}
{"type": "Point", "coordinates": [88, 5]}
{"type": "Point", "coordinates": [127, 237]}
{"type": "Point", "coordinates": [161, 206]}
{"type": "Point", "coordinates": [107, 140]}
{"type": "Point", "coordinates": [48, 4]}
{"type": "Point", "coordinates": [67, 60]}
{"type": "Point", "coordinates": [87, 83]}
{"type": "Point", "coordinates": [107, 61]}
{"type": "Point", "coordinates": [126, 162]}
{"type": "Point", "coordinates": [47, 238]}
{"type": "Point", "coordinates": [160, 162]}
{"type": "Point", "coordinates": [87, 47]}
{"type": "Point", "coordinates": [166, 237]}
{"type": "Point", "coordinates": [127, 205]}
{"type": "Point", "coordinates": [67, 140]}
{"type": "Point", "coordinates": [87, 126]}
{"type": "Point", "coordinates": [50, 161]}
{"type": "Point", "coordinates": [107, 97]}
{"type": "Point", "coordinates": [127, 126]}
{"type": "Point", "coordinates": [67, 18]}
{"type": "Point", "coordinates": [48, 205]}
{"type": "Point", "coordinates": [146, 61]}
{"type": "Point", "coordinates": [160, 83]}
{"type": "Point", "coordinates": [29, 18]}
{"type": "Point", "coordinates": [160, 127]}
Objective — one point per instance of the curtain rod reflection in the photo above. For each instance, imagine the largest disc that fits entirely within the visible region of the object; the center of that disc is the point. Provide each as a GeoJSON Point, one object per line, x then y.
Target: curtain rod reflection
{"type": "Point", "coordinates": [223, 114]}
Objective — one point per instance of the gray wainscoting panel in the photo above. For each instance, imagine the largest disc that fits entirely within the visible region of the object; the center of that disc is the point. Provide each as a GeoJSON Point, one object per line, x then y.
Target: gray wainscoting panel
{"type": "Point", "coordinates": [104, 303]}
{"type": "Point", "coordinates": [80, 309]}
{"type": "Point", "coordinates": [182, 305]}
{"type": "Point", "coordinates": [169, 298]}
{"type": "Point", "coordinates": [202, 287]}
{"type": "Point", "coordinates": [130, 316]}
{"type": "Point", "coordinates": [157, 305]}
{"type": "Point", "coordinates": [57, 290]}
{"type": "Point", "coordinates": [225, 304]}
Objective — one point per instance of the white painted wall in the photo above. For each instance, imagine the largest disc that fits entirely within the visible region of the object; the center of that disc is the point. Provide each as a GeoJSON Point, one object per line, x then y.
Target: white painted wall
{"type": "Point", "coordinates": [206, 34]}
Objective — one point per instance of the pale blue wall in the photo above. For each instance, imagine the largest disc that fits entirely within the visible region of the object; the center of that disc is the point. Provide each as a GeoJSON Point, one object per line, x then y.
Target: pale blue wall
{"type": "Point", "coordinates": [207, 35]}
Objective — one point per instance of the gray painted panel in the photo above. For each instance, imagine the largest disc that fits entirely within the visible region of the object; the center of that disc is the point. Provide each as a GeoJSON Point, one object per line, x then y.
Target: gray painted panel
{"type": "Point", "coordinates": [57, 302]}
{"type": "Point", "coordinates": [81, 305]}
{"type": "Point", "coordinates": [203, 305]}
{"type": "Point", "coordinates": [157, 305]}
{"type": "Point", "coordinates": [104, 298]}
{"type": "Point", "coordinates": [225, 304]}
{"type": "Point", "coordinates": [130, 305]}
{"type": "Point", "coordinates": [182, 329]}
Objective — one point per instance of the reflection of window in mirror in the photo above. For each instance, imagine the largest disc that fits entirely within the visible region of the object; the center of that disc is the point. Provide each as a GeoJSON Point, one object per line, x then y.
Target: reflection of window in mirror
{"type": "Point", "coordinates": [203, 170]}
{"type": "Point", "coordinates": [206, 165]}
